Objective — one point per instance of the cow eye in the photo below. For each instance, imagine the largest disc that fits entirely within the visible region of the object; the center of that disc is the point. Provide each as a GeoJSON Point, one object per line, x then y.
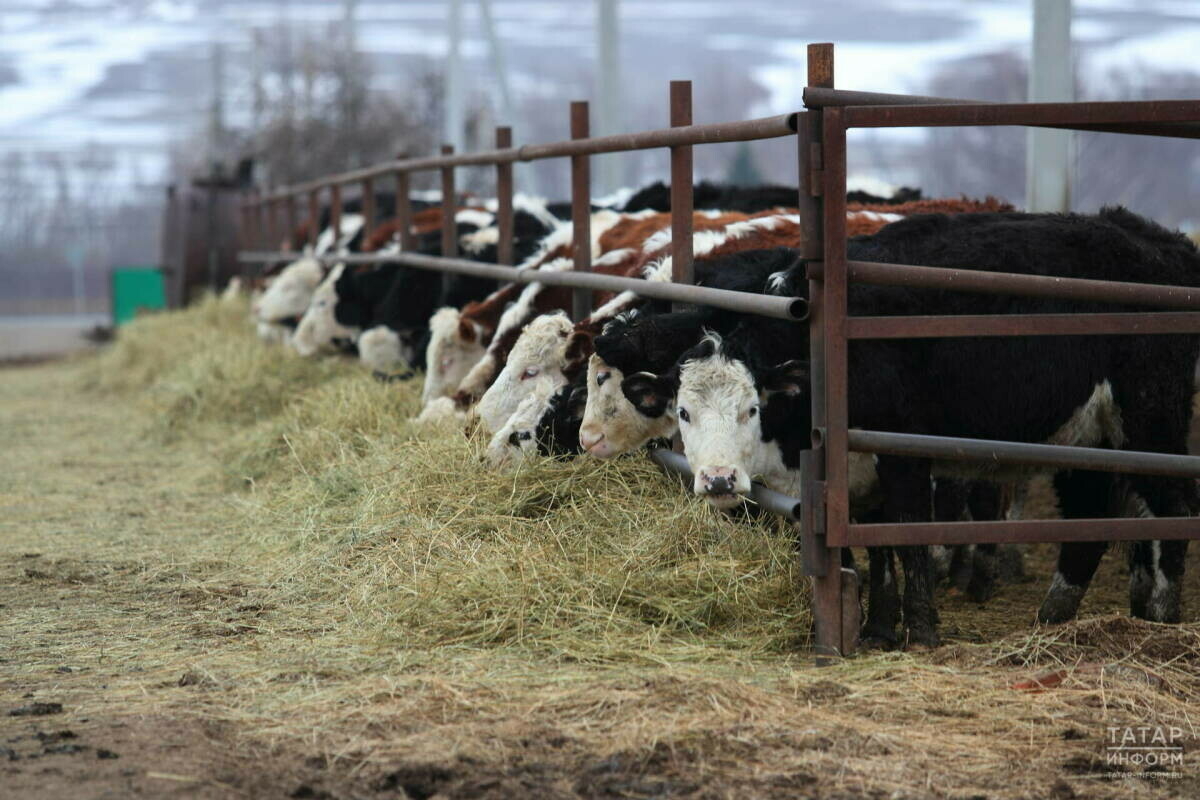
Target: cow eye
{"type": "Point", "coordinates": [530, 372]}
{"type": "Point", "coordinates": [684, 416]}
{"type": "Point", "coordinates": [753, 412]}
{"type": "Point", "coordinates": [601, 377]}
{"type": "Point", "coordinates": [525, 436]}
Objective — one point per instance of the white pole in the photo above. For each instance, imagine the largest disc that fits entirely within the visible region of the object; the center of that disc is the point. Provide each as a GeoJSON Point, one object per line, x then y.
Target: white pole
{"type": "Point", "coordinates": [453, 119]}
{"type": "Point", "coordinates": [1051, 80]}
{"type": "Point", "coordinates": [608, 86]}
{"type": "Point", "coordinates": [499, 65]}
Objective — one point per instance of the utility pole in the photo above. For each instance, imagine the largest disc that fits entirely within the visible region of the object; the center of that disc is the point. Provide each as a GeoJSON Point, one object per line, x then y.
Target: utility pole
{"type": "Point", "coordinates": [216, 109]}
{"type": "Point", "coordinates": [1051, 80]}
{"type": "Point", "coordinates": [608, 86]}
{"type": "Point", "coordinates": [453, 118]}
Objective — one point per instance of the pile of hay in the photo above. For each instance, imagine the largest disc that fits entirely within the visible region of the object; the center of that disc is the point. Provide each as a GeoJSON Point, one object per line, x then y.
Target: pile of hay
{"type": "Point", "coordinates": [415, 542]}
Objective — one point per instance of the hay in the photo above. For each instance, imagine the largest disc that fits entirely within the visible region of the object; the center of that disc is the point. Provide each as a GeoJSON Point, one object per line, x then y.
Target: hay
{"type": "Point", "coordinates": [312, 572]}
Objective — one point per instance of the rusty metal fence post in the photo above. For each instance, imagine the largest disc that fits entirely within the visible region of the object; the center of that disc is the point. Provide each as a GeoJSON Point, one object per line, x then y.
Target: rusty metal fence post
{"type": "Point", "coordinates": [449, 206]}
{"type": "Point", "coordinates": [368, 207]}
{"type": "Point", "coordinates": [822, 201]}
{"type": "Point", "coordinates": [682, 269]}
{"type": "Point", "coordinates": [504, 200]}
{"type": "Point", "coordinates": [581, 211]}
{"type": "Point", "coordinates": [404, 210]}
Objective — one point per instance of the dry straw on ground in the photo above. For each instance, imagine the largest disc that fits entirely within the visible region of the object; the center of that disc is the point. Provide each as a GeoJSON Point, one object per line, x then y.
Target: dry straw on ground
{"type": "Point", "coordinates": [316, 576]}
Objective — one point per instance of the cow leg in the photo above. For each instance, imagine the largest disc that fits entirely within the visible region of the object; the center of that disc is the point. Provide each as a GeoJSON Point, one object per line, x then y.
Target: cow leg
{"type": "Point", "coordinates": [952, 564]}
{"type": "Point", "coordinates": [1156, 567]}
{"type": "Point", "coordinates": [985, 502]}
{"type": "Point", "coordinates": [1081, 495]}
{"type": "Point", "coordinates": [905, 485]}
{"type": "Point", "coordinates": [883, 601]}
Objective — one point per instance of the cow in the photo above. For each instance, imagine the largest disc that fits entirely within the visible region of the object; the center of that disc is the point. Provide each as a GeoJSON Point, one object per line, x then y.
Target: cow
{"type": "Point", "coordinates": [1121, 392]}
{"type": "Point", "coordinates": [612, 426]}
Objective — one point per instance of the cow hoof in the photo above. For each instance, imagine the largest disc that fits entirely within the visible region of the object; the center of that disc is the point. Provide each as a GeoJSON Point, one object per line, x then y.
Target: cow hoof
{"type": "Point", "coordinates": [1061, 603]}
{"type": "Point", "coordinates": [981, 589]}
{"type": "Point", "coordinates": [876, 637]}
{"type": "Point", "coordinates": [1156, 601]}
{"type": "Point", "coordinates": [918, 639]}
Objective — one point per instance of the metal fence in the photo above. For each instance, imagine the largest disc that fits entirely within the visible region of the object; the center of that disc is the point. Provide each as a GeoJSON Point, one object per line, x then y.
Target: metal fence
{"type": "Point", "coordinates": [820, 131]}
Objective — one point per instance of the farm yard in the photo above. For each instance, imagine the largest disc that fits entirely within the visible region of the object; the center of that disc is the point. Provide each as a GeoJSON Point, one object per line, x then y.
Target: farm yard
{"type": "Point", "coordinates": [241, 573]}
{"type": "Point", "coordinates": [432, 458]}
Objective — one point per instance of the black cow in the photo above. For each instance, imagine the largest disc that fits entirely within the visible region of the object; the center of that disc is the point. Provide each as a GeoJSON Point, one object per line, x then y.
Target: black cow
{"type": "Point", "coordinates": [1122, 392]}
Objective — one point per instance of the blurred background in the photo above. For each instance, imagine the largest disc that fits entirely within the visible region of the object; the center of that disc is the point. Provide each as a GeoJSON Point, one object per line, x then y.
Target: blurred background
{"type": "Point", "coordinates": [107, 106]}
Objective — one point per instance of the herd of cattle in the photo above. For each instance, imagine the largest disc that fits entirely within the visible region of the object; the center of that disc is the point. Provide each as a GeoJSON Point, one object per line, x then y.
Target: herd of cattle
{"type": "Point", "coordinates": [507, 362]}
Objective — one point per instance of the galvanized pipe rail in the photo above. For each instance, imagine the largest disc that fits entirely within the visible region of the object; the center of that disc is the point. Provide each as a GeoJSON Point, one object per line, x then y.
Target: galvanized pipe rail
{"type": "Point", "coordinates": [789, 308]}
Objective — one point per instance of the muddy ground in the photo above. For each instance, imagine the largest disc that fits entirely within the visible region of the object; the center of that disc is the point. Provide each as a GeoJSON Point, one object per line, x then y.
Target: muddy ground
{"type": "Point", "coordinates": [130, 669]}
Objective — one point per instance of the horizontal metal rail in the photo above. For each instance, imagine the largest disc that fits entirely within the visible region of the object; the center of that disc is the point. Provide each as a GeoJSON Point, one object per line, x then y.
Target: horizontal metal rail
{"type": "Point", "coordinates": [773, 501]}
{"type": "Point", "coordinates": [820, 97]}
{"type": "Point", "coordinates": [1011, 283]}
{"type": "Point", "coordinates": [968, 325]}
{"type": "Point", "coordinates": [1130, 115]}
{"type": "Point", "coordinates": [710, 133]}
{"type": "Point", "coordinates": [1023, 454]}
{"type": "Point", "coordinates": [1017, 531]}
{"type": "Point", "coordinates": [789, 308]}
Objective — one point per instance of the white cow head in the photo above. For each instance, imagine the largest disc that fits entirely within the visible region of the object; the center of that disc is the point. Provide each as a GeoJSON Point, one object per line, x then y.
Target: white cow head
{"type": "Point", "coordinates": [319, 327]}
{"type": "Point", "coordinates": [537, 365]}
{"type": "Point", "coordinates": [382, 351]}
{"type": "Point", "coordinates": [455, 345]}
{"type": "Point", "coordinates": [291, 291]}
{"type": "Point", "coordinates": [718, 404]}
{"type": "Point", "coordinates": [516, 441]}
{"type": "Point", "coordinates": [611, 424]}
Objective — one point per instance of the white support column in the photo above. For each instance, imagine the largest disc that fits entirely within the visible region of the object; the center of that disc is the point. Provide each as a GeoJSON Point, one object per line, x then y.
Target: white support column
{"type": "Point", "coordinates": [499, 64]}
{"type": "Point", "coordinates": [608, 87]}
{"type": "Point", "coordinates": [453, 120]}
{"type": "Point", "coordinates": [1051, 80]}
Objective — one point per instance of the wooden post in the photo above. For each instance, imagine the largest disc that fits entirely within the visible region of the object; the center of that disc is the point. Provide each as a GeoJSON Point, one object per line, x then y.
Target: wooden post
{"type": "Point", "coordinates": [368, 207]}
{"type": "Point", "coordinates": [335, 212]}
{"type": "Point", "coordinates": [404, 209]}
{"type": "Point", "coordinates": [449, 207]}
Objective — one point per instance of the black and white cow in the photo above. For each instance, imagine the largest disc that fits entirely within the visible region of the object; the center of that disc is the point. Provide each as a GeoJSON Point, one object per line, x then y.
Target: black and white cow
{"type": "Point", "coordinates": [1122, 392]}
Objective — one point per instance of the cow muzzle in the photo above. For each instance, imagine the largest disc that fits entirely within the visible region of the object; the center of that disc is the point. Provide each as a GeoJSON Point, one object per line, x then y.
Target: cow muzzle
{"type": "Point", "coordinates": [720, 485]}
{"type": "Point", "coordinates": [594, 444]}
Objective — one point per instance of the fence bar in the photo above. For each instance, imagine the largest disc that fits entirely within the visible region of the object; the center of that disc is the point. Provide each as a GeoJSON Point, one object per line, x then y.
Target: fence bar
{"type": "Point", "coordinates": [790, 308]}
{"type": "Point", "coordinates": [966, 325]}
{"type": "Point", "coordinates": [504, 200]}
{"type": "Point", "coordinates": [449, 209]}
{"type": "Point", "coordinates": [263, 226]}
{"type": "Point", "coordinates": [1034, 530]}
{"type": "Point", "coordinates": [710, 133]}
{"type": "Point", "coordinates": [273, 223]}
{"type": "Point", "coordinates": [1010, 283]}
{"type": "Point", "coordinates": [368, 207]}
{"type": "Point", "coordinates": [1070, 115]}
{"type": "Point", "coordinates": [335, 213]}
{"type": "Point", "coordinates": [773, 501]}
{"type": "Point", "coordinates": [292, 222]}
{"type": "Point", "coordinates": [581, 211]}
{"type": "Point", "coordinates": [823, 97]}
{"type": "Point", "coordinates": [314, 216]}
{"type": "Point", "coordinates": [1021, 453]}
{"type": "Point", "coordinates": [408, 241]}
{"type": "Point", "coordinates": [682, 268]}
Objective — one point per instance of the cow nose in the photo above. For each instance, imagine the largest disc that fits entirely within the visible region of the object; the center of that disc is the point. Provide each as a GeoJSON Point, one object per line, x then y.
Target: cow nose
{"type": "Point", "coordinates": [514, 438]}
{"type": "Point", "coordinates": [589, 439]}
{"type": "Point", "coordinates": [720, 480]}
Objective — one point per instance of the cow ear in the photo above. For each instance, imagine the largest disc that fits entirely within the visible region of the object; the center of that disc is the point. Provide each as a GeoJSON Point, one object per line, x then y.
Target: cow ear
{"type": "Point", "coordinates": [650, 394]}
{"type": "Point", "coordinates": [579, 347]}
{"type": "Point", "coordinates": [466, 331]}
{"type": "Point", "coordinates": [790, 378]}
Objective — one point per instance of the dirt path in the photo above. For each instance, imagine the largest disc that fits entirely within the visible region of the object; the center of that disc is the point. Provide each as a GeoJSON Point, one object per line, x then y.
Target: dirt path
{"type": "Point", "coordinates": [91, 514]}
{"type": "Point", "coordinates": [144, 654]}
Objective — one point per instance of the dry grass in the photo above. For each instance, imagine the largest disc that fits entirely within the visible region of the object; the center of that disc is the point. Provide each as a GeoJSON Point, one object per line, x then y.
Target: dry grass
{"type": "Point", "coordinates": [273, 548]}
